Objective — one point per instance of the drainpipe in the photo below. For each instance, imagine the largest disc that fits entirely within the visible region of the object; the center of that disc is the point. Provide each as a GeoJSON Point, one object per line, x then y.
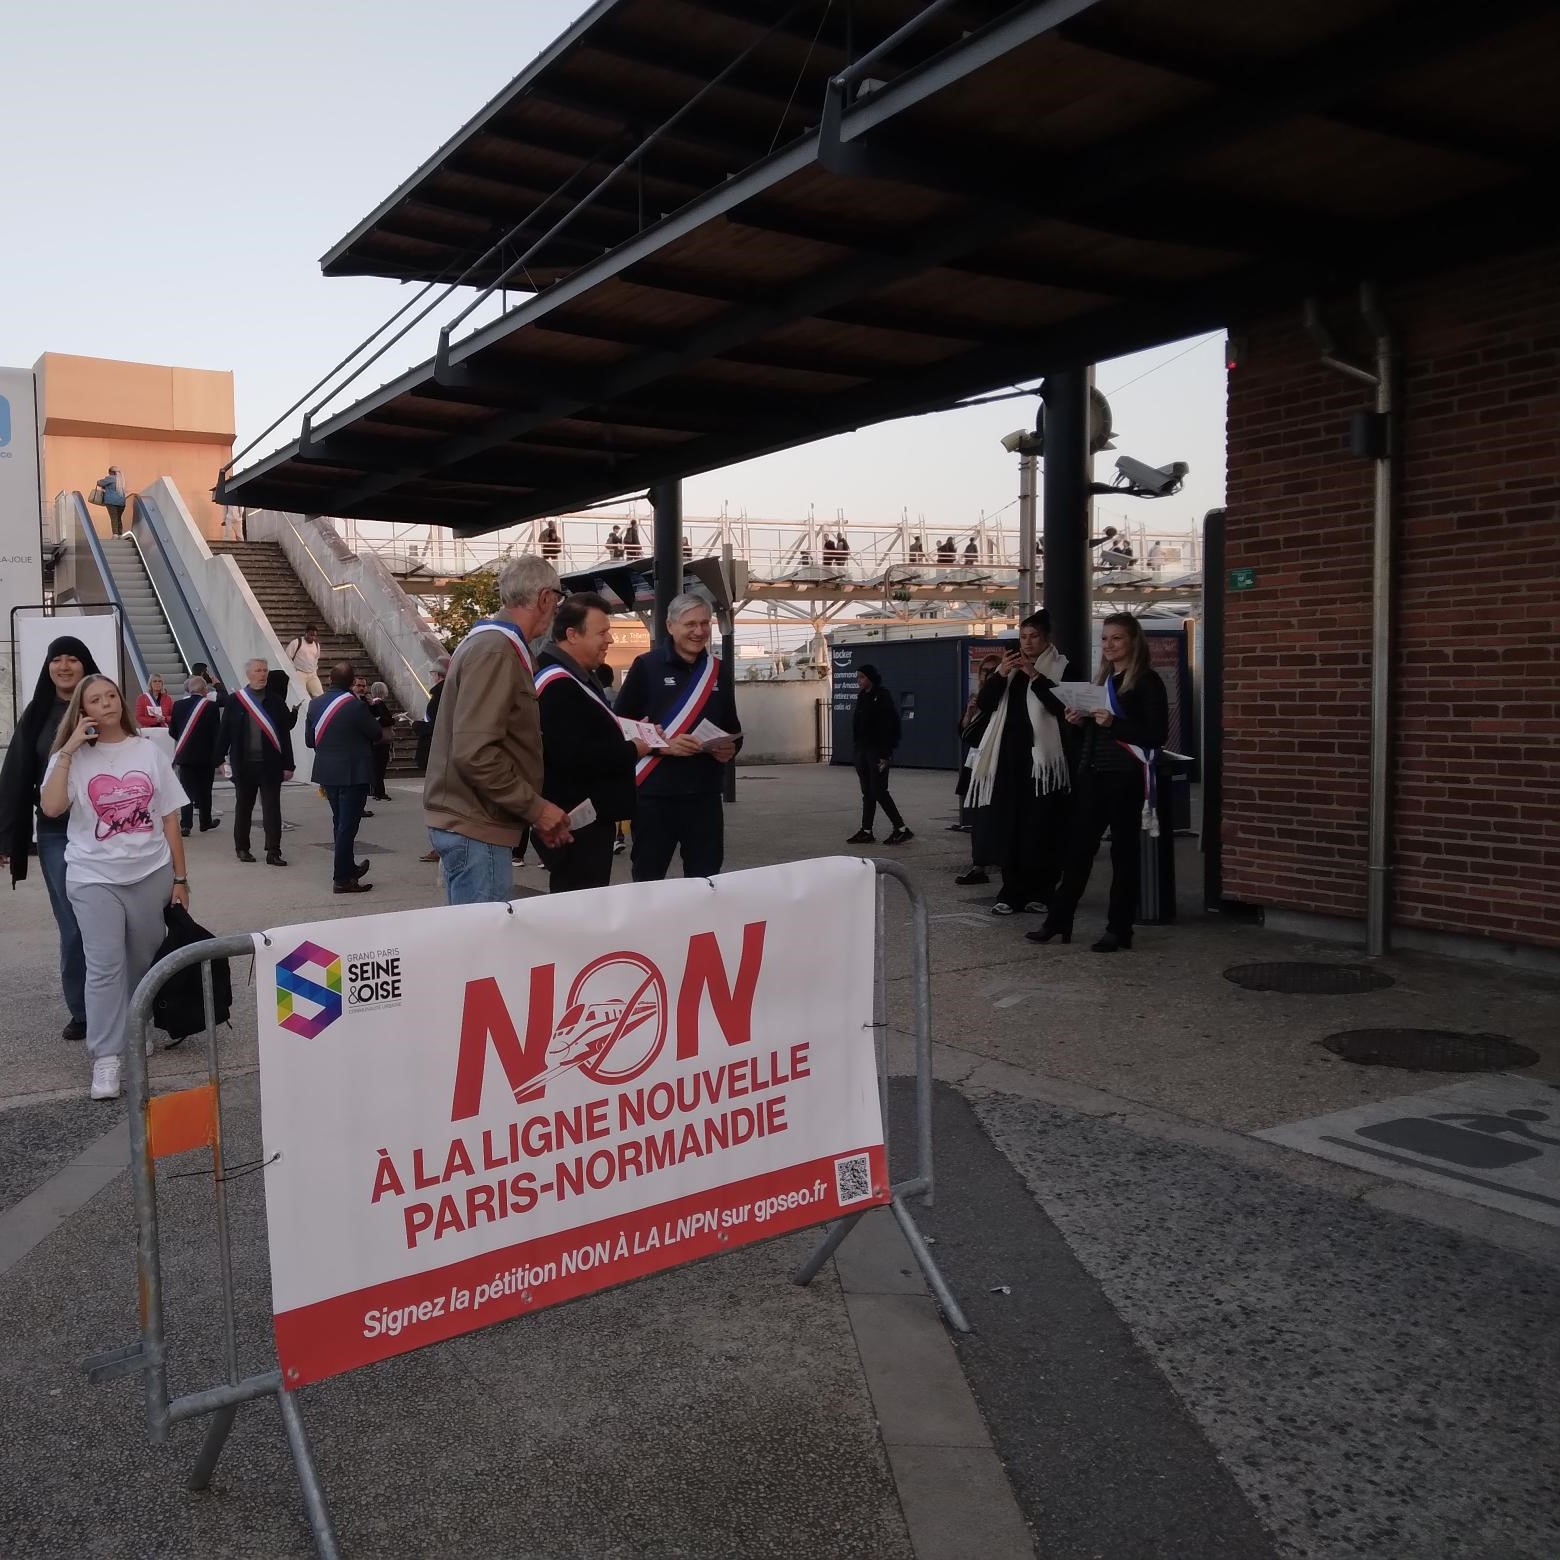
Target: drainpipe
{"type": "Point", "coordinates": [1375, 436]}
{"type": "Point", "coordinates": [1388, 417]}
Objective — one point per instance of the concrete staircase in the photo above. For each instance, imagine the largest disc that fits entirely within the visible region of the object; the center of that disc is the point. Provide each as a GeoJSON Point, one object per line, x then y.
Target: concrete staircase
{"type": "Point", "coordinates": [290, 608]}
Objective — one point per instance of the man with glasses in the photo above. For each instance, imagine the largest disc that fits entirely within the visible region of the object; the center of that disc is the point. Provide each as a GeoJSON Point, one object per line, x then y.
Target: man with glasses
{"type": "Point", "coordinates": [484, 783]}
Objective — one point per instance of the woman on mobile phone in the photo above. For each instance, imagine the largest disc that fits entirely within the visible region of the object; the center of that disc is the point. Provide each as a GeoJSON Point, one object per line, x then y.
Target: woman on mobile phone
{"type": "Point", "coordinates": [124, 856]}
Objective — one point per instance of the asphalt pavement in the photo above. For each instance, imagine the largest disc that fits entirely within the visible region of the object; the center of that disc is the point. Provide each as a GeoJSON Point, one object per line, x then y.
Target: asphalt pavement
{"type": "Point", "coordinates": [1190, 1340]}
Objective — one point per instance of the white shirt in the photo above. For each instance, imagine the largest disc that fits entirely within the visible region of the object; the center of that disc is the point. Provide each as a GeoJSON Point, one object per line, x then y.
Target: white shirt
{"type": "Point", "coordinates": [120, 792]}
{"type": "Point", "coordinates": [306, 657]}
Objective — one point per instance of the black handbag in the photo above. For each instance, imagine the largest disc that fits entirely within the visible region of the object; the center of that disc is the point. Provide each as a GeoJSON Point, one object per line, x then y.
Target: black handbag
{"type": "Point", "coordinates": [178, 1009]}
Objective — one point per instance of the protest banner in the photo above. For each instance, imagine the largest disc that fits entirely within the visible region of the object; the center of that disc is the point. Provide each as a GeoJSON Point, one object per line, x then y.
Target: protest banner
{"type": "Point", "coordinates": [476, 1111]}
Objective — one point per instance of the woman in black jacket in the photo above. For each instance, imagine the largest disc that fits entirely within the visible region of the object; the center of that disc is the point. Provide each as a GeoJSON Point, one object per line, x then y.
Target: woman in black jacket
{"type": "Point", "coordinates": [1114, 788]}
{"type": "Point", "coordinates": [1019, 773]}
{"type": "Point", "coordinates": [67, 662]}
{"type": "Point", "coordinates": [874, 730]}
{"type": "Point", "coordinates": [972, 727]}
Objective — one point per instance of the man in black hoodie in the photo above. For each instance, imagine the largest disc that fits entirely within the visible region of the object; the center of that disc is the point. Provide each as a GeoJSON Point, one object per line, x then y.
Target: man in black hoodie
{"type": "Point", "coordinates": [68, 661]}
{"type": "Point", "coordinates": [875, 732]}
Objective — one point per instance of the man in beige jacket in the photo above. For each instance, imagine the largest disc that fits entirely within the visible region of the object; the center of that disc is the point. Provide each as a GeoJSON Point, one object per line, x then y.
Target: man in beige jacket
{"type": "Point", "coordinates": [484, 781]}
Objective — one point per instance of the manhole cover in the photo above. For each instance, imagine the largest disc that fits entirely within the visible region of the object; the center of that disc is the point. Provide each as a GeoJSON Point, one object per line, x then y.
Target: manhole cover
{"type": "Point", "coordinates": [1429, 1050]}
{"type": "Point", "coordinates": [1316, 979]}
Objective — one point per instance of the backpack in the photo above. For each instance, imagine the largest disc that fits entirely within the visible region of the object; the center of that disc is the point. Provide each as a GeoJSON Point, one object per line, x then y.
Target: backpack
{"type": "Point", "coordinates": [178, 1009]}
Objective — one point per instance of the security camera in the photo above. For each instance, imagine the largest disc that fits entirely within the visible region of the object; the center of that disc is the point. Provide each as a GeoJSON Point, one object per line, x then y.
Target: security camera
{"type": "Point", "coordinates": [1024, 441]}
{"type": "Point", "coordinates": [1145, 481]}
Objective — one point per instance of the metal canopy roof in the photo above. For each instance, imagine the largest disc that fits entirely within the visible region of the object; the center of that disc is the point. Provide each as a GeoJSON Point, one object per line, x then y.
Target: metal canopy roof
{"type": "Point", "coordinates": [1078, 179]}
{"type": "Point", "coordinates": [745, 77]}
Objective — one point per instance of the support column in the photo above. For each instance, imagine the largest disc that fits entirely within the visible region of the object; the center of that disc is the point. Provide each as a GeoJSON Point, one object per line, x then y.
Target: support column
{"type": "Point", "coordinates": [1068, 471]}
{"type": "Point", "coordinates": [666, 501]}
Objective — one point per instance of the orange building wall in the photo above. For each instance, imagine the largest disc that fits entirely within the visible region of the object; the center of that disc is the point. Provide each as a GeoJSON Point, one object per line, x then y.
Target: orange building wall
{"type": "Point", "coordinates": [148, 419]}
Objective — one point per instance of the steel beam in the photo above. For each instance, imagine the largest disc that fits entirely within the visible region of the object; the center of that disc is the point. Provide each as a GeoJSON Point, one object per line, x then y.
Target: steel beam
{"type": "Point", "coordinates": [666, 501]}
{"type": "Point", "coordinates": [1069, 574]}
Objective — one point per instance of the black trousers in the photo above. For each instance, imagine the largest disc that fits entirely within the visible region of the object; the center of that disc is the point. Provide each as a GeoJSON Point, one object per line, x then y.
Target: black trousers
{"type": "Point", "coordinates": [1105, 799]}
{"type": "Point", "coordinates": [346, 811]}
{"type": "Point", "coordinates": [663, 823]}
{"type": "Point", "coordinates": [381, 764]}
{"type": "Point", "coordinates": [1033, 854]}
{"type": "Point", "coordinates": [196, 780]}
{"type": "Point", "coordinates": [587, 863]}
{"type": "Point", "coordinates": [872, 771]}
{"type": "Point", "coordinates": [250, 781]}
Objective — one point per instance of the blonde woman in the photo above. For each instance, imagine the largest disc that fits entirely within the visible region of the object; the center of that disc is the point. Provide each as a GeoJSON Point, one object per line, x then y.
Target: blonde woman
{"type": "Point", "coordinates": [1114, 786]}
{"type": "Point", "coordinates": [124, 856]}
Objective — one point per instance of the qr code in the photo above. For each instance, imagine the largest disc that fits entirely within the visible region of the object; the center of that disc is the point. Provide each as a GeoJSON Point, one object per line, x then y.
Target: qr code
{"type": "Point", "coordinates": [852, 1178]}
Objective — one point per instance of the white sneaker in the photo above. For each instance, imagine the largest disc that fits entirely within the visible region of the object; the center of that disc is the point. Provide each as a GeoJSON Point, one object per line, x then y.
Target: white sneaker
{"type": "Point", "coordinates": [151, 1048]}
{"type": "Point", "coordinates": [105, 1078]}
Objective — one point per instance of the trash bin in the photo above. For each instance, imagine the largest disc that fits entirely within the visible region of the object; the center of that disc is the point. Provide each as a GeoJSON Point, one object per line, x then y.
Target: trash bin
{"type": "Point", "coordinates": [1156, 892]}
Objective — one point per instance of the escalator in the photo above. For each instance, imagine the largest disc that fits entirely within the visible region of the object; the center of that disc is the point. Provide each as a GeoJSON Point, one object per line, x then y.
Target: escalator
{"type": "Point", "coordinates": [144, 616]}
{"type": "Point", "coordinates": [165, 625]}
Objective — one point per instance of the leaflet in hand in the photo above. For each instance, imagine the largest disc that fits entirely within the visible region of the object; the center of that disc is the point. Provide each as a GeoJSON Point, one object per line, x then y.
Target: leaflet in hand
{"type": "Point", "coordinates": [583, 814]}
{"type": "Point", "coordinates": [1083, 697]}
{"type": "Point", "coordinates": [641, 731]}
{"type": "Point", "coordinates": [707, 734]}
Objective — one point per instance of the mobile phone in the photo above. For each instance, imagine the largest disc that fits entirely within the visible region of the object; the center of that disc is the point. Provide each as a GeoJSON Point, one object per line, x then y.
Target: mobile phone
{"type": "Point", "coordinates": [92, 735]}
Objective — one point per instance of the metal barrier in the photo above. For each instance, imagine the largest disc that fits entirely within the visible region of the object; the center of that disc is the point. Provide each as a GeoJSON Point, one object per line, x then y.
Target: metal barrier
{"type": "Point", "coordinates": [192, 1118]}
{"type": "Point", "coordinates": [922, 1182]}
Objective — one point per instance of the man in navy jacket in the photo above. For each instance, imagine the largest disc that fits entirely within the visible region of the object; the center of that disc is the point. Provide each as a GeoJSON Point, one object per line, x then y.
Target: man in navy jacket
{"type": "Point", "coordinates": [343, 732]}
{"type": "Point", "coordinates": [676, 685]}
{"type": "Point", "coordinates": [196, 729]}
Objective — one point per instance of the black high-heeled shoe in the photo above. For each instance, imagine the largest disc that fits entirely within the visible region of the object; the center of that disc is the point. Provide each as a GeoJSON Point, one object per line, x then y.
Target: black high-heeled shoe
{"type": "Point", "coordinates": [1045, 932]}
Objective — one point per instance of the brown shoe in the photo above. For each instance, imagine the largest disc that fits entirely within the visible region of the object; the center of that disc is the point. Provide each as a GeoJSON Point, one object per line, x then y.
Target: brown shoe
{"type": "Point", "coordinates": [429, 855]}
{"type": "Point", "coordinates": [354, 887]}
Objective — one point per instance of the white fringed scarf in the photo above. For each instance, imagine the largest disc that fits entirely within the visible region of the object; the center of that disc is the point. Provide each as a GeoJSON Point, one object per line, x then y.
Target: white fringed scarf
{"type": "Point", "coordinates": [1048, 764]}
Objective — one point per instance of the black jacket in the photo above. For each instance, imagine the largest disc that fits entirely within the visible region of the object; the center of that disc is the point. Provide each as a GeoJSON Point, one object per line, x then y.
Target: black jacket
{"type": "Point", "coordinates": [875, 725]}
{"type": "Point", "coordinates": [236, 721]}
{"type": "Point", "coordinates": [584, 752]}
{"type": "Point", "coordinates": [179, 1007]}
{"type": "Point", "coordinates": [652, 690]}
{"type": "Point", "coordinates": [204, 749]}
{"type": "Point", "coordinates": [22, 773]}
{"type": "Point", "coordinates": [1144, 721]}
{"type": "Point", "coordinates": [344, 755]}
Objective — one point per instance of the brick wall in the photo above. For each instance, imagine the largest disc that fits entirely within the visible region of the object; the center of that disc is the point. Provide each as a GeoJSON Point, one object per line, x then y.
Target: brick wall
{"type": "Point", "coordinates": [1476, 675]}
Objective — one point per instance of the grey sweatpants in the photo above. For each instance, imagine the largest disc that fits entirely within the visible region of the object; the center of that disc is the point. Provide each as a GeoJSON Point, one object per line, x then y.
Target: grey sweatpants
{"type": "Point", "coordinates": [121, 930]}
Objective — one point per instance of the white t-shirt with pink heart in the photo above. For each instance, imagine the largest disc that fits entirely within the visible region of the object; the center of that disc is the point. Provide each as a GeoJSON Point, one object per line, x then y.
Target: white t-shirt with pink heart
{"type": "Point", "coordinates": [120, 792]}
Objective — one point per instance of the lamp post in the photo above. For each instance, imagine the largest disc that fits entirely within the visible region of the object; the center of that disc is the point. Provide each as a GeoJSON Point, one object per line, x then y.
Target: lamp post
{"type": "Point", "coordinates": [1028, 445]}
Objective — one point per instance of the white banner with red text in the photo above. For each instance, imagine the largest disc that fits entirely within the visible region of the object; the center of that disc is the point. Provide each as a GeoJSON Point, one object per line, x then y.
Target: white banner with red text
{"type": "Point", "coordinates": [480, 1110]}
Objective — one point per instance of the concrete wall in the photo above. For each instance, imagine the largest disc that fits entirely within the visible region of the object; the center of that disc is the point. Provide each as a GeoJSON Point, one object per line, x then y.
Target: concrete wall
{"type": "Point", "coordinates": [780, 721]}
{"type": "Point", "coordinates": [236, 617]}
{"type": "Point", "coordinates": [1475, 761]}
{"type": "Point", "coordinates": [148, 419]}
{"type": "Point", "coordinates": [356, 593]}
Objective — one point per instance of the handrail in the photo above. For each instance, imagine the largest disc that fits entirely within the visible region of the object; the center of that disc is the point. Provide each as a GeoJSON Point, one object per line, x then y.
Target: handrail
{"type": "Point", "coordinates": [82, 519]}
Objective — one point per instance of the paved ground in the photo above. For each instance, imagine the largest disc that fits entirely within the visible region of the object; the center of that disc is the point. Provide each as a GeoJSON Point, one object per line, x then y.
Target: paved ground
{"type": "Point", "coordinates": [1190, 1340]}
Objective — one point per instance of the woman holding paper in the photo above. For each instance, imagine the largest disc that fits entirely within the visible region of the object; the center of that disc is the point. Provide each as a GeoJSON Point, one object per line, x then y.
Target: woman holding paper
{"type": "Point", "coordinates": [1114, 788]}
{"type": "Point", "coordinates": [1019, 773]}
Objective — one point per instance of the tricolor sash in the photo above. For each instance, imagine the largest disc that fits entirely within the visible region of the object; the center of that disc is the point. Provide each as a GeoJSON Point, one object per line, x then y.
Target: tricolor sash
{"type": "Point", "coordinates": [1147, 757]}
{"type": "Point", "coordinates": [328, 714]}
{"type": "Point", "coordinates": [184, 736]}
{"type": "Point", "coordinates": [252, 704]}
{"type": "Point", "coordinates": [498, 626]}
{"type": "Point", "coordinates": [686, 716]}
{"type": "Point", "coordinates": [552, 673]}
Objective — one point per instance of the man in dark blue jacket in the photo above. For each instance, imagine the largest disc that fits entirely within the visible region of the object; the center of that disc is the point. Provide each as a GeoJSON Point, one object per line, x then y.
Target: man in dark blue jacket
{"type": "Point", "coordinates": [343, 733]}
{"type": "Point", "coordinates": [257, 743]}
{"type": "Point", "coordinates": [196, 729]}
{"type": "Point", "coordinates": [585, 755]}
{"type": "Point", "coordinates": [676, 686]}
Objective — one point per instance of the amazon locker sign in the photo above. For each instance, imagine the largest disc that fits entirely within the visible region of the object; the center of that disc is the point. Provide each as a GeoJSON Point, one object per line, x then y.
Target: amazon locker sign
{"type": "Point", "coordinates": [477, 1111]}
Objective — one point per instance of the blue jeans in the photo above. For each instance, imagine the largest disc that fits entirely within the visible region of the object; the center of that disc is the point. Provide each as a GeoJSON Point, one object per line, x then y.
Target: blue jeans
{"type": "Point", "coordinates": [475, 873]}
{"type": "Point", "coordinates": [346, 809]}
{"type": "Point", "coordinates": [73, 962]}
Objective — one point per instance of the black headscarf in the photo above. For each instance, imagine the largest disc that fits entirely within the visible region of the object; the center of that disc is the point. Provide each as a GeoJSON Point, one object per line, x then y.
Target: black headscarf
{"type": "Point", "coordinates": [872, 674]}
{"type": "Point", "coordinates": [22, 773]}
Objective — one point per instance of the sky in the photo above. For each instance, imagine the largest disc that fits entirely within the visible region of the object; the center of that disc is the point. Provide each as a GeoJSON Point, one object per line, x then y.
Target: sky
{"type": "Point", "coordinates": [177, 168]}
